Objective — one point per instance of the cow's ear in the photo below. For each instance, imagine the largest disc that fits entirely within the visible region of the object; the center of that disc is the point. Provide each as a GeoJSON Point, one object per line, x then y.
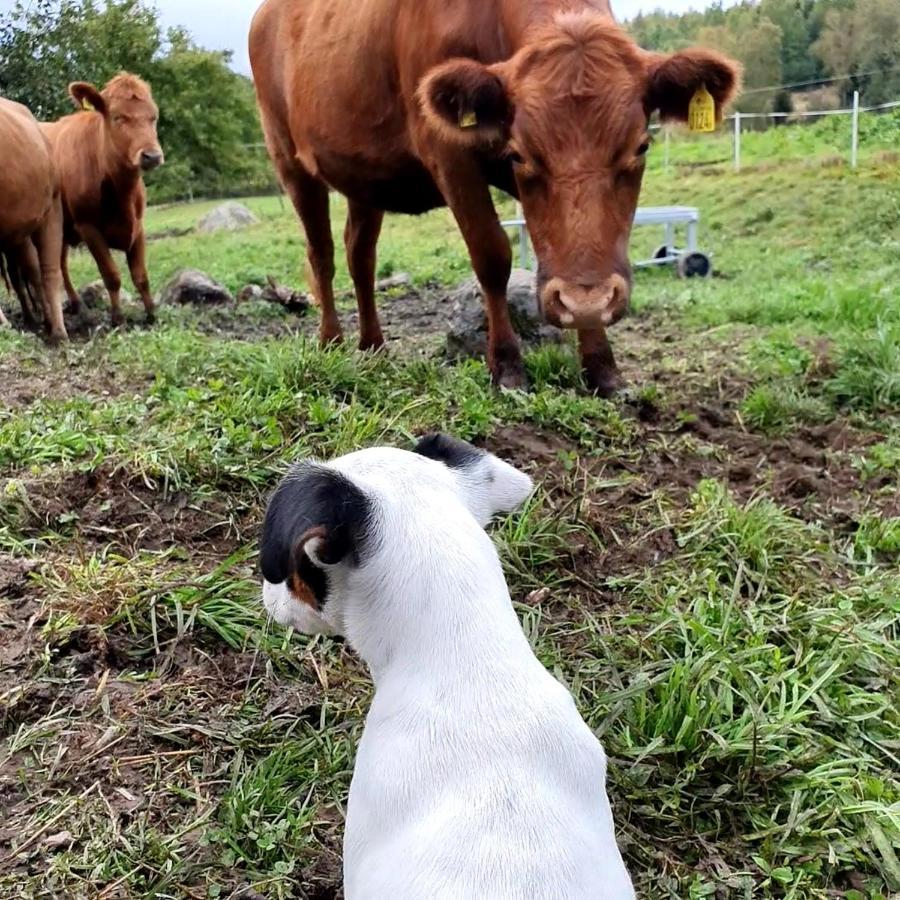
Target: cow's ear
{"type": "Point", "coordinates": [674, 78]}
{"type": "Point", "coordinates": [316, 519]}
{"type": "Point", "coordinates": [466, 103]}
{"type": "Point", "coordinates": [86, 96]}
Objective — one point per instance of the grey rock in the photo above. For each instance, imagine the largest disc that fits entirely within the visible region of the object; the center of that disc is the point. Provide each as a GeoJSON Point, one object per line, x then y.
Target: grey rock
{"type": "Point", "coordinates": [191, 286]}
{"type": "Point", "coordinates": [249, 292]}
{"type": "Point", "coordinates": [229, 216]}
{"type": "Point", "coordinates": [467, 329]}
{"type": "Point", "coordinates": [397, 280]}
{"type": "Point", "coordinates": [94, 295]}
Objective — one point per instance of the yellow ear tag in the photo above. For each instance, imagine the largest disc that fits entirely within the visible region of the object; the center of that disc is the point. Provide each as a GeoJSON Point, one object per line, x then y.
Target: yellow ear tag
{"type": "Point", "coordinates": [86, 104]}
{"type": "Point", "coordinates": [467, 119]}
{"type": "Point", "coordinates": [702, 111]}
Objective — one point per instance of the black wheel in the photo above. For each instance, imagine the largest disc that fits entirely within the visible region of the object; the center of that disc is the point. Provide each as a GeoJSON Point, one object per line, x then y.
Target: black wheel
{"type": "Point", "coordinates": [694, 265]}
{"type": "Point", "coordinates": [662, 251]}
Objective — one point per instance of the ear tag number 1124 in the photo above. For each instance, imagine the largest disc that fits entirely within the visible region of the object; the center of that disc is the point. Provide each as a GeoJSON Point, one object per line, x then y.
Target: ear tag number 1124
{"type": "Point", "coordinates": [702, 111]}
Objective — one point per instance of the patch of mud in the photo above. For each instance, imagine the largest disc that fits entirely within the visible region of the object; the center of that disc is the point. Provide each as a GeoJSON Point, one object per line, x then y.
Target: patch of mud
{"type": "Point", "coordinates": [29, 380]}
{"type": "Point", "coordinates": [411, 320]}
{"type": "Point", "coordinates": [110, 506]}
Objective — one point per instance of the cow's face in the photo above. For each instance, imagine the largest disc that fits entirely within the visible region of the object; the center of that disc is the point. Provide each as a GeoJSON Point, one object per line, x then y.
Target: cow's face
{"type": "Point", "coordinates": [570, 112]}
{"type": "Point", "coordinates": [129, 119]}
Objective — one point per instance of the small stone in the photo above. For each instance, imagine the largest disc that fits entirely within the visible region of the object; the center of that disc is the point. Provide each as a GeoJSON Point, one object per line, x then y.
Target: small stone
{"type": "Point", "coordinates": [193, 286]}
{"type": "Point", "coordinates": [230, 216]}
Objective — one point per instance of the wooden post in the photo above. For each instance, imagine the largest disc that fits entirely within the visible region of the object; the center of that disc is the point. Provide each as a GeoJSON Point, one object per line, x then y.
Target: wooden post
{"type": "Point", "coordinates": [854, 131]}
{"type": "Point", "coordinates": [737, 141]}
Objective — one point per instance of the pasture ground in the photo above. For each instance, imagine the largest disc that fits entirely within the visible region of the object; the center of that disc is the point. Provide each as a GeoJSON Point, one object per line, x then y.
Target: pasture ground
{"type": "Point", "coordinates": [710, 561]}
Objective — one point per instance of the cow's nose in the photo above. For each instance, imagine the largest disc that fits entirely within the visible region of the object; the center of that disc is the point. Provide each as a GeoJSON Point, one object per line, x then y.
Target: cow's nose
{"type": "Point", "coordinates": [585, 307]}
{"type": "Point", "coordinates": [150, 159]}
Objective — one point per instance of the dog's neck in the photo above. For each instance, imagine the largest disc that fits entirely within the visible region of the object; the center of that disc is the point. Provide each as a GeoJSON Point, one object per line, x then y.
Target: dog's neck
{"type": "Point", "coordinates": [448, 618]}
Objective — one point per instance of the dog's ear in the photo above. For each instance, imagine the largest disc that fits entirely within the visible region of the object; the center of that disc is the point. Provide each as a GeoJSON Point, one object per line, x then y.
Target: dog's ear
{"type": "Point", "coordinates": [488, 484]}
{"type": "Point", "coordinates": [316, 519]}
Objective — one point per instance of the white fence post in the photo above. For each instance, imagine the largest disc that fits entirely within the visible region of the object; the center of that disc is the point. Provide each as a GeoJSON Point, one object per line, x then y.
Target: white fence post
{"type": "Point", "coordinates": [737, 141]}
{"type": "Point", "coordinates": [854, 131]}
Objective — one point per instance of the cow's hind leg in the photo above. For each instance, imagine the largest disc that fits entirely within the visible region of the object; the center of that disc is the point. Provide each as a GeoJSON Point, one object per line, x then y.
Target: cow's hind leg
{"type": "Point", "coordinates": [4, 280]}
{"type": "Point", "coordinates": [360, 238]}
{"type": "Point", "coordinates": [310, 198]}
{"type": "Point", "coordinates": [74, 300]}
{"type": "Point", "coordinates": [25, 276]}
{"type": "Point", "coordinates": [49, 242]}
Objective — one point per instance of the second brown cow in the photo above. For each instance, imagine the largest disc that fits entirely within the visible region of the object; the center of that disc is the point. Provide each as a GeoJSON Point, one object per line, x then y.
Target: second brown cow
{"type": "Point", "coordinates": [101, 153]}
{"type": "Point", "coordinates": [405, 105]}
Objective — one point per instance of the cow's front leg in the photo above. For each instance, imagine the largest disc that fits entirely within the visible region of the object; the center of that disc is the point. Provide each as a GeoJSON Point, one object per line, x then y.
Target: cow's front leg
{"type": "Point", "coordinates": [598, 366]}
{"type": "Point", "coordinates": [96, 243]}
{"type": "Point", "coordinates": [469, 198]}
{"type": "Point", "coordinates": [137, 266]}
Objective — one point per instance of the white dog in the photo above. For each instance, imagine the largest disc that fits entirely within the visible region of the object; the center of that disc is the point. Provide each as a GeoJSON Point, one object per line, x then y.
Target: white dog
{"type": "Point", "coordinates": [476, 778]}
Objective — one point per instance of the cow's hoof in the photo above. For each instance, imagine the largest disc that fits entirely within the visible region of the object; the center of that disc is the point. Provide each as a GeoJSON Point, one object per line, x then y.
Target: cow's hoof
{"type": "Point", "coordinates": [57, 339]}
{"type": "Point", "coordinates": [117, 320]}
{"type": "Point", "coordinates": [72, 308]}
{"type": "Point", "coordinates": [150, 317]}
{"type": "Point", "coordinates": [604, 381]}
{"type": "Point", "coordinates": [506, 366]}
{"type": "Point", "coordinates": [328, 338]}
{"type": "Point", "coordinates": [372, 344]}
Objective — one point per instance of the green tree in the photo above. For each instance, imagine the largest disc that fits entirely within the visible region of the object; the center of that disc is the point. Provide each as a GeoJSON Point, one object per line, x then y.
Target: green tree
{"type": "Point", "coordinates": [756, 42]}
{"type": "Point", "coordinates": [207, 112]}
{"type": "Point", "coordinates": [862, 42]}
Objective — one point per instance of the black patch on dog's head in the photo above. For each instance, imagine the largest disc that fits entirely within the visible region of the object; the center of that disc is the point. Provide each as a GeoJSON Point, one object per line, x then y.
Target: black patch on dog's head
{"type": "Point", "coordinates": [313, 501]}
{"type": "Point", "coordinates": [449, 450]}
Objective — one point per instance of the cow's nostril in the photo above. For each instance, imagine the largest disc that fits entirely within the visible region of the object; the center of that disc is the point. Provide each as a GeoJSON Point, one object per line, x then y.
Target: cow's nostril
{"type": "Point", "coordinates": [150, 159]}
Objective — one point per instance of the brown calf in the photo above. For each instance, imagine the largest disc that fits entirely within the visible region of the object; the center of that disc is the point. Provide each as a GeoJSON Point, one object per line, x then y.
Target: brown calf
{"type": "Point", "coordinates": [405, 105]}
{"type": "Point", "coordinates": [30, 219]}
{"type": "Point", "coordinates": [101, 152]}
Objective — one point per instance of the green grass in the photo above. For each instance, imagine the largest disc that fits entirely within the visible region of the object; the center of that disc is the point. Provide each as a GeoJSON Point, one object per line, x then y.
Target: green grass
{"type": "Point", "coordinates": [710, 559]}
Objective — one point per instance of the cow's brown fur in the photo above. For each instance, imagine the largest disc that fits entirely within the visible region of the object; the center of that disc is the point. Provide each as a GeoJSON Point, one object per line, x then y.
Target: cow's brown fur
{"type": "Point", "coordinates": [101, 152]}
{"type": "Point", "coordinates": [404, 105]}
{"type": "Point", "coordinates": [30, 219]}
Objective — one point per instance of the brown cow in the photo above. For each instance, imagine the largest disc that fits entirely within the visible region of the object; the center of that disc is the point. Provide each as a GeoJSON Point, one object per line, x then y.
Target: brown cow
{"type": "Point", "coordinates": [30, 219]}
{"type": "Point", "coordinates": [405, 105]}
{"type": "Point", "coordinates": [101, 152]}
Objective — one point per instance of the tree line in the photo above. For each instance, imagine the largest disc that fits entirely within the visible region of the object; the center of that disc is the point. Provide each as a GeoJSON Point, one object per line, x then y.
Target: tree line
{"type": "Point", "coordinates": [208, 124]}
{"type": "Point", "coordinates": [792, 42]}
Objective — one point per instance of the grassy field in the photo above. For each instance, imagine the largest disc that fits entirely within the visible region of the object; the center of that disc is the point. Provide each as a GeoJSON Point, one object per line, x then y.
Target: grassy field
{"type": "Point", "coordinates": [719, 545]}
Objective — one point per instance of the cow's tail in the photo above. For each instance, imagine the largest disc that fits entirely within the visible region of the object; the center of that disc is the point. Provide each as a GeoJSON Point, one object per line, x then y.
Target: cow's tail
{"type": "Point", "coordinates": [4, 273]}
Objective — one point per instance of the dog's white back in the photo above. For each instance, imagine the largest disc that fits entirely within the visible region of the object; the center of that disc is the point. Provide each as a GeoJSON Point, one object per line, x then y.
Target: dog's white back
{"type": "Point", "coordinates": [475, 777]}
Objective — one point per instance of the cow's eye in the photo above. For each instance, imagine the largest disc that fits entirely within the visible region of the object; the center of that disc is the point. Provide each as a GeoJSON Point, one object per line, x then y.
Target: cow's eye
{"type": "Point", "coordinates": [641, 151]}
{"type": "Point", "coordinates": [515, 157]}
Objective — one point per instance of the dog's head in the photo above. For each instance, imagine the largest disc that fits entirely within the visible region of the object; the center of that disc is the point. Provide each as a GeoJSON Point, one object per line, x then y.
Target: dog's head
{"type": "Point", "coordinates": [371, 521]}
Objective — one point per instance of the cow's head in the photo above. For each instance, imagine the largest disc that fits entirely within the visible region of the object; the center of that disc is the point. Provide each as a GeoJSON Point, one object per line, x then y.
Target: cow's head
{"type": "Point", "coordinates": [570, 111]}
{"type": "Point", "coordinates": [129, 118]}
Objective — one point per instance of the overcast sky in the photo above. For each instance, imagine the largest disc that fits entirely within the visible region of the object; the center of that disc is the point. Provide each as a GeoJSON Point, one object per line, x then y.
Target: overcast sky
{"type": "Point", "coordinates": [223, 24]}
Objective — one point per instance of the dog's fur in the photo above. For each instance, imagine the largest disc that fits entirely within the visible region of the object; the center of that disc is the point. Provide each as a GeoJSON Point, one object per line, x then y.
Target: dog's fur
{"type": "Point", "coordinates": [475, 777]}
